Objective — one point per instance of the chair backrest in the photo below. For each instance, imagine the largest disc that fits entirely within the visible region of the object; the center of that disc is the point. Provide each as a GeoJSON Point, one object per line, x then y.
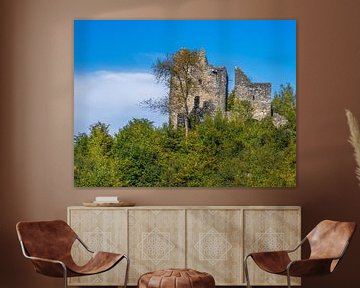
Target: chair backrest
{"type": "Point", "coordinates": [329, 239]}
{"type": "Point", "coordinates": [46, 239]}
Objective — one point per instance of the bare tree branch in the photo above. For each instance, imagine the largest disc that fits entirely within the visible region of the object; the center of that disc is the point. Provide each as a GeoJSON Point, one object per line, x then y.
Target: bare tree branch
{"type": "Point", "coordinates": [160, 105]}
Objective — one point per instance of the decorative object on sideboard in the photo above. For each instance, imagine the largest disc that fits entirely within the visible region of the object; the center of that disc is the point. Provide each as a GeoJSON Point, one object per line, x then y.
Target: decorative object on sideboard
{"type": "Point", "coordinates": [354, 140]}
{"type": "Point", "coordinates": [105, 204]}
{"type": "Point", "coordinates": [108, 201]}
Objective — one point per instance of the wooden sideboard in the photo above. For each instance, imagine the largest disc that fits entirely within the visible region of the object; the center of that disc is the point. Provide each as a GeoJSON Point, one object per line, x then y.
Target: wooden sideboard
{"type": "Point", "coordinates": [212, 239]}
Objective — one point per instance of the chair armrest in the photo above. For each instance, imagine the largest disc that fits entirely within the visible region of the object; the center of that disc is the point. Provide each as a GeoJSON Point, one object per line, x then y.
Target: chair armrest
{"type": "Point", "coordinates": [298, 246]}
{"type": "Point", "coordinates": [281, 251]}
{"type": "Point", "coordinates": [45, 260]}
{"type": "Point", "coordinates": [268, 254]}
{"type": "Point", "coordinates": [309, 267]}
{"type": "Point", "coordinates": [84, 245]}
{"type": "Point", "coordinates": [48, 267]}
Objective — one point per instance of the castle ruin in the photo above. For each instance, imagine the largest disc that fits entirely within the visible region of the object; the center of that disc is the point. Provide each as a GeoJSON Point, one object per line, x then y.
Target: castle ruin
{"type": "Point", "coordinates": [212, 92]}
{"type": "Point", "coordinates": [258, 94]}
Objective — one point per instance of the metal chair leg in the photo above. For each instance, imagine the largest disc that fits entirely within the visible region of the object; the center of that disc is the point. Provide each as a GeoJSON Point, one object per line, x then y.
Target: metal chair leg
{"type": "Point", "coordinates": [246, 272]}
{"type": "Point", "coordinates": [127, 271]}
{"type": "Point", "coordinates": [288, 278]}
{"type": "Point", "coordinates": [65, 275]}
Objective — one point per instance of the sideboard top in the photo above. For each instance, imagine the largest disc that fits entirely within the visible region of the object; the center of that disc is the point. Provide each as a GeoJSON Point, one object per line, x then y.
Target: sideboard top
{"type": "Point", "coordinates": [192, 207]}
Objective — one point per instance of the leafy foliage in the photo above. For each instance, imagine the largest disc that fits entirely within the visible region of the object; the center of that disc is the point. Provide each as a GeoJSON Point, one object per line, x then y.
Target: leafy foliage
{"type": "Point", "coordinates": [180, 72]}
{"type": "Point", "coordinates": [284, 103]}
{"type": "Point", "coordinates": [93, 159]}
{"type": "Point", "coordinates": [230, 150]}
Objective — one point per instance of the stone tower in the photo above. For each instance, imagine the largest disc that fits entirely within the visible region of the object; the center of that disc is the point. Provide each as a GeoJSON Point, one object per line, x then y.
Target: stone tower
{"type": "Point", "coordinates": [209, 97]}
{"type": "Point", "coordinates": [211, 94]}
{"type": "Point", "coordinates": [258, 94]}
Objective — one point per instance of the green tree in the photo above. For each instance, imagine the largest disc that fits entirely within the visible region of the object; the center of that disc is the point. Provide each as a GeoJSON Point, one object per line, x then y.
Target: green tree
{"type": "Point", "coordinates": [221, 150]}
{"type": "Point", "coordinates": [136, 150]}
{"type": "Point", "coordinates": [93, 158]}
{"type": "Point", "coordinates": [284, 103]}
{"type": "Point", "coordinates": [230, 100]}
{"type": "Point", "coordinates": [180, 72]}
{"type": "Point", "coordinates": [81, 154]}
{"type": "Point", "coordinates": [241, 111]}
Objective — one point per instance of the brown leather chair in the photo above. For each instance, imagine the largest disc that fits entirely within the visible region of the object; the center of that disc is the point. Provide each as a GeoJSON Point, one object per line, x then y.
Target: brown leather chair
{"type": "Point", "coordinates": [328, 242]}
{"type": "Point", "coordinates": [48, 245]}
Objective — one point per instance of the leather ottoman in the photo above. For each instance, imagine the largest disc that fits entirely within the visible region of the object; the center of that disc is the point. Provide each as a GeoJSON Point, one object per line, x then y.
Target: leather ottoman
{"type": "Point", "coordinates": [176, 278]}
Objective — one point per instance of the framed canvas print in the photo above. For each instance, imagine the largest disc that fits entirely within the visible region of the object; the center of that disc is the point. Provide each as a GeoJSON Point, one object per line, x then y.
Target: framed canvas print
{"type": "Point", "coordinates": [185, 103]}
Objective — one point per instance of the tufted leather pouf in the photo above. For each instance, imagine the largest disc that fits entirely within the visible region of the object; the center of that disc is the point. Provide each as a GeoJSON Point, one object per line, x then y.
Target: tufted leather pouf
{"type": "Point", "coordinates": [176, 278]}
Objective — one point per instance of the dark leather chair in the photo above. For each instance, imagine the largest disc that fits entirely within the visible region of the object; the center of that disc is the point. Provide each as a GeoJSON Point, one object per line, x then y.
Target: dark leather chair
{"type": "Point", "coordinates": [328, 242]}
{"type": "Point", "coordinates": [48, 245]}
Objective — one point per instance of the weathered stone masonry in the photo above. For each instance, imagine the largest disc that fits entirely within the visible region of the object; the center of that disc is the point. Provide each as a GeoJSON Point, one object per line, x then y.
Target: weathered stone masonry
{"type": "Point", "coordinates": [211, 95]}
{"type": "Point", "coordinates": [258, 94]}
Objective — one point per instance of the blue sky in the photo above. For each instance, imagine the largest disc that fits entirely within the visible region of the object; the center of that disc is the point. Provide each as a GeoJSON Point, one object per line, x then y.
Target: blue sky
{"type": "Point", "coordinates": [113, 58]}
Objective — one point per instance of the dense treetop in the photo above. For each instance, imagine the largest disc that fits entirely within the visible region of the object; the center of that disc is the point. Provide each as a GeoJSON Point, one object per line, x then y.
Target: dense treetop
{"type": "Point", "coordinates": [225, 150]}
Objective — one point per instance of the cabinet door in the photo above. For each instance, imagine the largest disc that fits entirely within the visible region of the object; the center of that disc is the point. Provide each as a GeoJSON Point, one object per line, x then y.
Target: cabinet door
{"type": "Point", "coordinates": [101, 230]}
{"type": "Point", "coordinates": [214, 244]}
{"type": "Point", "coordinates": [270, 230]}
{"type": "Point", "coordinates": [156, 240]}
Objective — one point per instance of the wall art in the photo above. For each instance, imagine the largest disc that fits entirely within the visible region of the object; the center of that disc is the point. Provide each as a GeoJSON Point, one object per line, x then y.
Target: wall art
{"type": "Point", "coordinates": [184, 103]}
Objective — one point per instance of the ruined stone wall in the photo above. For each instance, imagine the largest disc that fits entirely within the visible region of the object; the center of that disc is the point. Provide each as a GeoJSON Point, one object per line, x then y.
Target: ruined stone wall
{"type": "Point", "coordinates": [213, 92]}
{"type": "Point", "coordinates": [258, 94]}
{"type": "Point", "coordinates": [209, 96]}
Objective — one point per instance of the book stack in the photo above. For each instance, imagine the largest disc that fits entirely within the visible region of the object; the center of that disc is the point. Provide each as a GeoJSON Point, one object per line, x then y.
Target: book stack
{"type": "Point", "coordinates": [106, 199]}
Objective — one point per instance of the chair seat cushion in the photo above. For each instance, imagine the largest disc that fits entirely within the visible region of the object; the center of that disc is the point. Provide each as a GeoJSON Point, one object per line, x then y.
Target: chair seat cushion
{"type": "Point", "coordinates": [176, 278]}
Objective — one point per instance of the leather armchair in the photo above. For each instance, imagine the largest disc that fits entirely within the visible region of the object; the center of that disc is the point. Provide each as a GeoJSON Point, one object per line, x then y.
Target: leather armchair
{"type": "Point", "coordinates": [48, 245]}
{"type": "Point", "coordinates": [328, 242]}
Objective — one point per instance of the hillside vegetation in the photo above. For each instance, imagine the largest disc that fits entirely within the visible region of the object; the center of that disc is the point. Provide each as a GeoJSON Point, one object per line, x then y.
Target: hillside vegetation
{"type": "Point", "coordinates": [231, 150]}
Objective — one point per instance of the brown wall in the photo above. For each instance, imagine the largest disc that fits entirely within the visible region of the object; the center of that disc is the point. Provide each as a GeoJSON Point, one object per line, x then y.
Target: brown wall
{"type": "Point", "coordinates": [36, 113]}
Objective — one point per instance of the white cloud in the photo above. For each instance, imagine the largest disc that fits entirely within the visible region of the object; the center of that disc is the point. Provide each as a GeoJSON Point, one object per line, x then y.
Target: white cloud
{"type": "Point", "coordinates": [113, 98]}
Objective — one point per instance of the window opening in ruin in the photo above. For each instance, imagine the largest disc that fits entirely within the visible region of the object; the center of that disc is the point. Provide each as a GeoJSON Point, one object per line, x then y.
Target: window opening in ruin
{"type": "Point", "coordinates": [197, 102]}
{"type": "Point", "coordinates": [181, 120]}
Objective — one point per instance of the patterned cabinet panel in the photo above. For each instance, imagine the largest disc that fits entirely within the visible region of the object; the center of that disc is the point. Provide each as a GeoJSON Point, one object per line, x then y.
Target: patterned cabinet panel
{"type": "Point", "coordinates": [214, 244]}
{"type": "Point", "coordinates": [271, 229]}
{"type": "Point", "coordinates": [156, 240]}
{"type": "Point", "coordinates": [210, 239]}
{"type": "Point", "coordinates": [101, 230]}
